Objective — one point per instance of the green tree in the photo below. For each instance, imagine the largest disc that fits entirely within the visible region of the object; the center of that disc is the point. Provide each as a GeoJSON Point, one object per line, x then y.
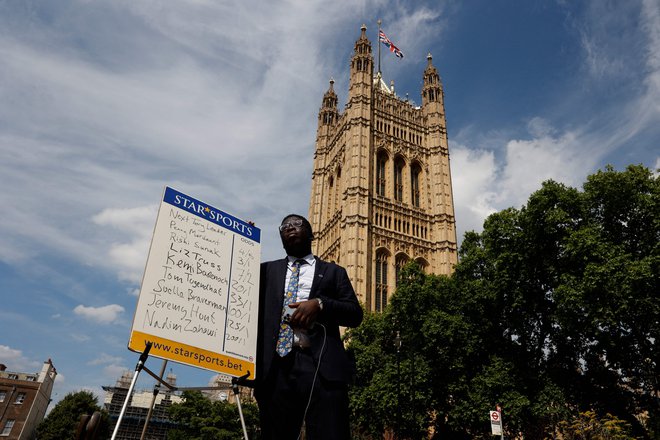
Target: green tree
{"type": "Point", "coordinates": [587, 426]}
{"type": "Point", "coordinates": [551, 310]}
{"type": "Point", "coordinates": [200, 418]}
{"type": "Point", "coordinates": [402, 377]}
{"type": "Point", "coordinates": [62, 421]}
{"type": "Point", "coordinates": [573, 276]}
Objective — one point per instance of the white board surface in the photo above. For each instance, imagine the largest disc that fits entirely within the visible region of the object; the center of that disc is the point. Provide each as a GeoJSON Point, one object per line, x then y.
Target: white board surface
{"type": "Point", "coordinates": [199, 300]}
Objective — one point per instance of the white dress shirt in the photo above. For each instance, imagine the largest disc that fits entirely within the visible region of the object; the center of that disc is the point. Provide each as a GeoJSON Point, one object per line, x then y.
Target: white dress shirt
{"type": "Point", "coordinates": [305, 279]}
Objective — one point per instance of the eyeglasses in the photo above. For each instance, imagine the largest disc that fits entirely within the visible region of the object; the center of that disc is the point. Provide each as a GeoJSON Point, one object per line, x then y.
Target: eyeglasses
{"type": "Point", "coordinates": [294, 223]}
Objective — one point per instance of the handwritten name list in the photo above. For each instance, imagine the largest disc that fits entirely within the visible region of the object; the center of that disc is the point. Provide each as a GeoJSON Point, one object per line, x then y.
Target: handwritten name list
{"type": "Point", "coordinates": [199, 298]}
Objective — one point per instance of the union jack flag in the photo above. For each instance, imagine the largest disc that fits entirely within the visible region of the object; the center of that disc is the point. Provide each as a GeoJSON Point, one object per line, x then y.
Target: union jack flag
{"type": "Point", "coordinates": [386, 41]}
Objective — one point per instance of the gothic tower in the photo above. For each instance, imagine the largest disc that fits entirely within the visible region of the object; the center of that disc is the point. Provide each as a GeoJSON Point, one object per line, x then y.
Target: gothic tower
{"type": "Point", "coordinates": [381, 185]}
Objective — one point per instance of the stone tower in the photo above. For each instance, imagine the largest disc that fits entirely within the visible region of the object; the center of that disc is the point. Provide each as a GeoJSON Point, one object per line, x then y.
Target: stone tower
{"type": "Point", "coordinates": [381, 186]}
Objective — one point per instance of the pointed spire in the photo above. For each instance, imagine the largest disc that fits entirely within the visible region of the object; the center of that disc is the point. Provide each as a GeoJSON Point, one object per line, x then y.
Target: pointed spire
{"type": "Point", "coordinates": [363, 45]}
{"type": "Point", "coordinates": [329, 113]}
{"type": "Point", "coordinates": [432, 89]}
{"type": "Point", "coordinates": [430, 70]}
{"type": "Point", "coordinates": [330, 97]}
{"type": "Point", "coordinates": [361, 66]}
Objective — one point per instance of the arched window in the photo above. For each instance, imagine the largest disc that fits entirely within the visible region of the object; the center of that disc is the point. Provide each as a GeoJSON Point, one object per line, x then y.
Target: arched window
{"type": "Point", "coordinates": [381, 281]}
{"type": "Point", "coordinates": [331, 198]}
{"type": "Point", "coordinates": [381, 166]}
{"type": "Point", "coordinates": [415, 172]}
{"type": "Point", "coordinates": [338, 190]}
{"type": "Point", "coordinates": [401, 261]}
{"type": "Point", "coordinates": [398, 180]}
{"type": "Point", "coordinates": [423, 264]}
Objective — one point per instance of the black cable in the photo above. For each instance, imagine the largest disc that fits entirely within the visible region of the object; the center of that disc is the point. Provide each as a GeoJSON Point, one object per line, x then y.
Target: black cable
{"type": "Point", "coordinates": [318, 366]}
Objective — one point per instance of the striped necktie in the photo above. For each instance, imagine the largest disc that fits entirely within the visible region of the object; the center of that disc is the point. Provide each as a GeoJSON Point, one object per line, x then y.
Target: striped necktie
{"type": "Point", "coordinates": [285, 340]}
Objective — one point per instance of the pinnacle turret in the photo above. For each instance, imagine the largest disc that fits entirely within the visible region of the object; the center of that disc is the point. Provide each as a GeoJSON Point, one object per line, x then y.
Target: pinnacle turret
{"type": "Point", "coordinates": [362, 66]}
{"type": "Point", "coordinates": [432, 89]}
{"type": "Point", "coordinates": [329, 115]}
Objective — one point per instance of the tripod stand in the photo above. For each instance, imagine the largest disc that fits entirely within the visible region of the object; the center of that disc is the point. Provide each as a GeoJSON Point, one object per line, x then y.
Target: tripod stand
{"type": "Point", "coordinates": [235, 382]}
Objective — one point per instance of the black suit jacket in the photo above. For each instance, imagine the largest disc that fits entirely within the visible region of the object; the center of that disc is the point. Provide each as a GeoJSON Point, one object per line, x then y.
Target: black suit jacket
{"type": "Point", "coordinates": [340, 308]}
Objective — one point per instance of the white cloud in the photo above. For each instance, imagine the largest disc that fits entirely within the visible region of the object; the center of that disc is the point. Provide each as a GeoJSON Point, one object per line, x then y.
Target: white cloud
{"type": "Point", "coordinates": [650, 18]}
{"type": "Point", "coordinates": [531, 162]}
{"type": "Point", "coordinates": [136, 225]}
{"type": "Point", "coordinates": [203, 107]}
{"type": "Point", "coordinates": [540, 127]}
{"type": "Point", "coordinates": [138, 221]}
{"type": "Point", "coordinates": [104, 315]}
{"type": "Point", "coordinates": [609, 39]}
{"type": "Point", "coordinates": [484, 183]}
{"type": "Point", "coordinates": [621, 44]}
{"type": "Point", "coordinates": [130, 258]}
{"type": "Point", "coordinates": [473, 181]}
{"type": "Point", "coordinates": [105, 358]}
{"type": "Point", "coordinates": [14, 360]}
{"type": "Point", "coordinates": [80, 337]}
{"type": "Point", "coordinates": [114, 371]}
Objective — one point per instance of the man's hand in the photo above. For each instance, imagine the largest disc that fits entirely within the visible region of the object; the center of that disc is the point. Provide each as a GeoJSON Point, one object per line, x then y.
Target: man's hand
{"type": "Point", "coordinates": [305, 313]}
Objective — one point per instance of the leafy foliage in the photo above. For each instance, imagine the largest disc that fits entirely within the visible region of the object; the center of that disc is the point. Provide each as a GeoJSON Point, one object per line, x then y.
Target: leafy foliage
{"type": "Point", "coordinates": [62, 421]}
{"type": "Point", "coordinates": [587, 426]}
{"type": "Point", "coordinates": [201, 418]}
{"type": "Point", "coordinates": [551, 310]}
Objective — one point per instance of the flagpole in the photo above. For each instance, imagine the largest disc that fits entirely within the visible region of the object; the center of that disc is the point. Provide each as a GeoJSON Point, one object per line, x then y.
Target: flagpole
{"type": "Point", "coordinates": [378, 42]}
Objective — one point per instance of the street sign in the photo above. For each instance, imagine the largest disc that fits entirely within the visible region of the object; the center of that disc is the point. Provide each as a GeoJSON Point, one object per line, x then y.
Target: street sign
{"type": "Point", "coordinates": [495, 422]}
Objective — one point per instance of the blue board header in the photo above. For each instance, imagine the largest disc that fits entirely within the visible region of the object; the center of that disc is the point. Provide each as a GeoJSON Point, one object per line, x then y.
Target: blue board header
{"type": "Point", "coordinates": [208, 212]}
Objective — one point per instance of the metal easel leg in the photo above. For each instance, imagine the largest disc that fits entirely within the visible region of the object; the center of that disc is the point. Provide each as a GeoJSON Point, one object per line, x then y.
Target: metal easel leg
{"type": "Point", "coordinates": [234, 387]}
{"type": "Point", "coordinates": [153, 401]}
{"type": "Point", "coordinates": [138, 368]}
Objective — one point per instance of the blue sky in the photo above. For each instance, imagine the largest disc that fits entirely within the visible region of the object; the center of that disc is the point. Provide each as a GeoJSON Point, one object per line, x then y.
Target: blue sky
{"type": "Point", "coordinates": [103, 103]}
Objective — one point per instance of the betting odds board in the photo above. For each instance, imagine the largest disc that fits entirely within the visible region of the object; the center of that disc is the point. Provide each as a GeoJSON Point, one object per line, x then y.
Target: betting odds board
{"type": "Point", "coordinates": [199, 299]}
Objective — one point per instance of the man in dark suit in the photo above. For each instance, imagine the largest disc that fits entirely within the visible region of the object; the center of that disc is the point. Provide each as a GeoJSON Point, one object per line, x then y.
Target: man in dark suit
{"type": "Point", "coordinates": [302, 368]}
